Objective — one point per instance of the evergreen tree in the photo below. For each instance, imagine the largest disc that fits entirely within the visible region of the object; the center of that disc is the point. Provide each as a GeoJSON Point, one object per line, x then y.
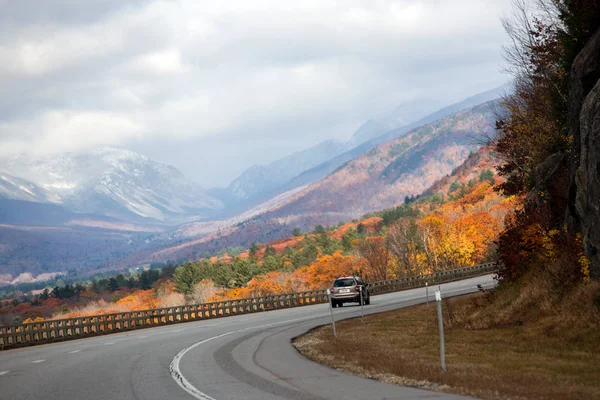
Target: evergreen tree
{"type": "Point", "coordinates": [487, 175]}
{"type": "Point", "coordinates": [253, 251]}
{"type": "Point", "coordinates": [348, 239]}
{"type": "Point", "coordinates": [270, 251]}
{"type": "Point", "coordinates": [45, 294]}
{"type": "Point", "coordinates": [361, 229]}
{"type": "Point", "coordinates": [185, 278]}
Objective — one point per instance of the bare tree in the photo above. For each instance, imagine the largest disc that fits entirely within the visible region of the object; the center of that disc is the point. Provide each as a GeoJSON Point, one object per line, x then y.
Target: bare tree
{"type": "Point", "coordinates": [404, 244]}
{"type": "Point", "coordinates": [531, 23]}
{"type": "Point", "coordinates": [376, 255]}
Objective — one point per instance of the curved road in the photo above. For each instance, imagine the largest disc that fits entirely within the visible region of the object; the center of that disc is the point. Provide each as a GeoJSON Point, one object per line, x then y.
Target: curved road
{"type": "Point", "coordinates": [240, 357]}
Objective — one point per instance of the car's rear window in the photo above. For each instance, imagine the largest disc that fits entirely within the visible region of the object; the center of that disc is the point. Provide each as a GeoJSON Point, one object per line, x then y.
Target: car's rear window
{"type": "Point", "coordinates": [343, 282]}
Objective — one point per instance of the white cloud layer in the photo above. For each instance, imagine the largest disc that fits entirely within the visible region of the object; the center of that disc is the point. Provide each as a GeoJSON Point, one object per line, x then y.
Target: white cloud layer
{"type": "Point", "coordinates": [246, 81]}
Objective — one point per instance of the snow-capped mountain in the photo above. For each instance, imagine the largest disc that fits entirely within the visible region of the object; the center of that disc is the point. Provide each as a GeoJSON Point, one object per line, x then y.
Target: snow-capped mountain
{"type": "Point", "coordinates": [106, 181]}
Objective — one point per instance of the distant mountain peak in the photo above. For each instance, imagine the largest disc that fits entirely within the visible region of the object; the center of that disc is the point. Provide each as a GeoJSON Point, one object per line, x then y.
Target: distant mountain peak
{"type": "Point", "coordinates": [117, 153]}
{"type": "Point", "coordinates": [107, 181]}
{"type": "Point", "coordinates": [367, 131]}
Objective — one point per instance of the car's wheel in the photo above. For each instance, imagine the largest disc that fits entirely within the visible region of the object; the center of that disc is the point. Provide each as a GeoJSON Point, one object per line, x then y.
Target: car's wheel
{"type": "Point", "coordinates": [368, 300]}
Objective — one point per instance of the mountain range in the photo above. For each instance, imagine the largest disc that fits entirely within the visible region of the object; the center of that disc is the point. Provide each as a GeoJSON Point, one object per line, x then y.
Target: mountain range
{"type": "Point", "coordinates": [382, 176]}
{"type": "Point", "coordinates": [107, 182]}
{"type": "Point", "coordinates": [260, 182]}
{"type": "Point", "coordinates": [136, 206]}
{"type": "Point", "coordinates": [379, 178]}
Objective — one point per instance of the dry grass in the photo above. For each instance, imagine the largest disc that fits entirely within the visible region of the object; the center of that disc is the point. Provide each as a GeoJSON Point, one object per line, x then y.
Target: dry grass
{"type": "Point", "coordinates": [535, 360]}
{"type": "Point", "coordinates": [99, 307]}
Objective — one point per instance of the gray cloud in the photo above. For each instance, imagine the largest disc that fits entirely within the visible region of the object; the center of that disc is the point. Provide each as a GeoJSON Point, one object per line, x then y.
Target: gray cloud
{"type": "Point", "coordinates": [28, 12]}
{"type": "Point", "coordinates": [241, 81]}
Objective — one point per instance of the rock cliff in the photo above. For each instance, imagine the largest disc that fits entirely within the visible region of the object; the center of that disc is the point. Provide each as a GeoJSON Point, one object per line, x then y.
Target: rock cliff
{"type": "Point", "coordinates": [583, 214]}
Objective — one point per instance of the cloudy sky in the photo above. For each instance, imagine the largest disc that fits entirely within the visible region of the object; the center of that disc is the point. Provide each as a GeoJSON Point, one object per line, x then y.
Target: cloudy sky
{"type": "Point", "coordinates": [215, 86]}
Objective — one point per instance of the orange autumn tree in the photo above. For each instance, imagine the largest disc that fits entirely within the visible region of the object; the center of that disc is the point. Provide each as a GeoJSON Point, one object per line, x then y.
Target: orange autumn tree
{"type": "Point", "coordinates": [321, 273]}
{"type": "Point", "coordinates": [231, 294]}
{"type": "Point", "coordinates": [274, 282]}
{"type": "Point", "coordinates": [479, 230]}
{"type": "Point", "coordinates": [141, 300]}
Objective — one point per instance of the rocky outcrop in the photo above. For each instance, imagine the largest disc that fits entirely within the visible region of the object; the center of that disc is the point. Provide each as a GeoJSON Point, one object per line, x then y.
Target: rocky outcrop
{"type": "Point", "coordinates": [583, 214]}
{"type": "Point", "coordinates": [587, 179]}
{"type": "Point", "coordinates": [551, 178]}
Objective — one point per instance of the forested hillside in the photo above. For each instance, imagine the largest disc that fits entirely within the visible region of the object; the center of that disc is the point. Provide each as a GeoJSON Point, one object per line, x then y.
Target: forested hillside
{"type": "Point", "coordinates": [397, 168]}
{"type": "Point", "coordinates": [454, 224]}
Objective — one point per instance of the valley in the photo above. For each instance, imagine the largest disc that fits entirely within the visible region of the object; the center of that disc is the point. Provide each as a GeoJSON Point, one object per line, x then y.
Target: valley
{"type": "Point", "coordinates": [453, 224]}
{"type": "Point", "coordinates": [260, 165]}
{"type": "Point", "coordinates": [109, 209]}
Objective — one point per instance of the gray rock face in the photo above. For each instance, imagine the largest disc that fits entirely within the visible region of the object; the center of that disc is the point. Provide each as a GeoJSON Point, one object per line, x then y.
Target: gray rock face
{"type": "Point", "coordinates": [587, 178]}
{"type": "Point", "coordinates": [583, 214]}
{"type": "Point", "coordinates": [548, 178]}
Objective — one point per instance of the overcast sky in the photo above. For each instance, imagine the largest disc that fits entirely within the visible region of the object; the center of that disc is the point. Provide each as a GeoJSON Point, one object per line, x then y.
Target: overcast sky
{"type": "Point", "coordinates": [215, 86]}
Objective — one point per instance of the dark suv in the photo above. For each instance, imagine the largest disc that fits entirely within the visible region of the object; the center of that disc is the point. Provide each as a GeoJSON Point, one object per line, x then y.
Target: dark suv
{"type": "Point", "coordinates": [346, 289]}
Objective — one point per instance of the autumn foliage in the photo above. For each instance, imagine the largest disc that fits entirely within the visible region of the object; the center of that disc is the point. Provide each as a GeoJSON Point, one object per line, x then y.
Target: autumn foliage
{"type": "Point", "coordinates": [455, 224]}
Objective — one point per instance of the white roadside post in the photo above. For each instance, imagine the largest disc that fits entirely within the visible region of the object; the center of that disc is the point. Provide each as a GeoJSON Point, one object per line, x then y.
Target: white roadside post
{"type": "Point", "coordinates": [331, 310]}
{"type": "Point", "coordinates": [427, 292]}
{"type": "Point", "coordinates": [362, 311]}
{"type": "Point", "coordinates": [438, 298]}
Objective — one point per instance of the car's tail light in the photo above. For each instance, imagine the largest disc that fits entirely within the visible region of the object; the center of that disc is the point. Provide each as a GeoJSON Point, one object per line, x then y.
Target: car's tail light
{"type": "Point", "coordinates": [357, 288]}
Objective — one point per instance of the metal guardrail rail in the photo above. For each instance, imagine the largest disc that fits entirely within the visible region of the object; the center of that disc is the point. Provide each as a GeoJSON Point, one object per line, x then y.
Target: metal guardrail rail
{"type": "Point", "coordinates": [33, 333]}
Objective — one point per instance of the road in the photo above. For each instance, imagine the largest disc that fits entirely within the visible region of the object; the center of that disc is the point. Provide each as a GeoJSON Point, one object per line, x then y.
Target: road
{"type": "Point", "coordinates": [240, 357]}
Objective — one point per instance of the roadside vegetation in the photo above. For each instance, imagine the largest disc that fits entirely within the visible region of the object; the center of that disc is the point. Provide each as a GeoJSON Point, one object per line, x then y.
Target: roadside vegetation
{"type": "Point", "coordinates": [546, 357]}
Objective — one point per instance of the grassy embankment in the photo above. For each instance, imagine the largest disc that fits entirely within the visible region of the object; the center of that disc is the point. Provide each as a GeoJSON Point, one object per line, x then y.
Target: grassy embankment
{"type": "Point", "coordinates": [545, 358]}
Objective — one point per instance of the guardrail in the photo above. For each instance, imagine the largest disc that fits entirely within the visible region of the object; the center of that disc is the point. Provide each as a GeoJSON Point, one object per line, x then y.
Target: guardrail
{"type": "Point", "coordinates": [33, 333]}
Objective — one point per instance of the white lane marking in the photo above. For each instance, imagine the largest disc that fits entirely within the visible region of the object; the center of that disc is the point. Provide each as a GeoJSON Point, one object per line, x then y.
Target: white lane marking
{"type": "Point", "coordinates": [37, 361]}
{"type": "Point", "coordinates": [74, 351]}
{"type": "Point", "coordinates": [191, 389]}
{"type": "Point", "coordinates": [143, 337]}
{"type": "Point", "coordinates": [4, 372]}
{"type": "Point", "coordinates": [109, 343]}
{"type": "Point", "coordinates": [176, 330]}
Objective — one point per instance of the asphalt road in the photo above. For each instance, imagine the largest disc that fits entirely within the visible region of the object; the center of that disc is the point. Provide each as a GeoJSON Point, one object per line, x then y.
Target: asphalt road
{"type": "Point", "coordinates": [240, 357]}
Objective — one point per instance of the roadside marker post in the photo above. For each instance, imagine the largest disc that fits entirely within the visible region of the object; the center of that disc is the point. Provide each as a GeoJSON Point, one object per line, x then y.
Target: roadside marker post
{"type": "Point", "coordinates": [362, 311]}
{"type": "Point", "coordinates": [438, 298]}
{"type": "Point", "coordinates": [331, 310]}
{"type": "Point", "coordinates": [427, 292]}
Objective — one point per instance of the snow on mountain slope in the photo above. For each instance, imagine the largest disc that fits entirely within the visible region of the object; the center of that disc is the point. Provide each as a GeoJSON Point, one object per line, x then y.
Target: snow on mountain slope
{"type": "Point", "coordinates": [15, 188]}
{"type": "Point", "coordinates": [107, 181]}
